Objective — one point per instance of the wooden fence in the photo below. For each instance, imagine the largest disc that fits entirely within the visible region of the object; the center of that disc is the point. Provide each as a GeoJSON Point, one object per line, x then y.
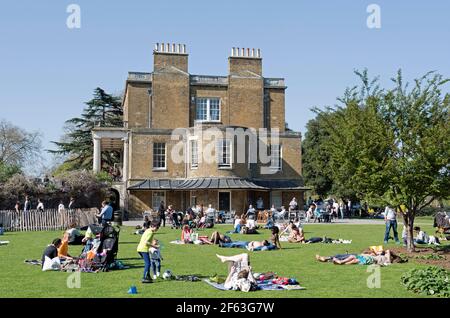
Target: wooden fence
{"type": "Point", "coordinates": [47, 220]}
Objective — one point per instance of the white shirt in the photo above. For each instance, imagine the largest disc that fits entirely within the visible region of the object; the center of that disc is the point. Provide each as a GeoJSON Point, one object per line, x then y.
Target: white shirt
{"type": "Point", "coordinates": [61, 207]}
{"type": "Point", "coordinates": [251, 224]}
{"type": "Point", "coordinates": [40, 206]}
{"type": "Point", "coordinates": [390, 213]}
{"type": "Point", "coordinates": [260, 204]}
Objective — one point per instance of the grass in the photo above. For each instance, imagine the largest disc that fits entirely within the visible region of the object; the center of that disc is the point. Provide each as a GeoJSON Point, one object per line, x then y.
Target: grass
{"type": "Point", "coordinates": [294, 260]}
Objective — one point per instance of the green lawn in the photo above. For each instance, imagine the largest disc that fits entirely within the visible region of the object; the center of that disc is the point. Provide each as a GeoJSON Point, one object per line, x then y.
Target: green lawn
{"type": "Point", "coordinates": [294, 260]}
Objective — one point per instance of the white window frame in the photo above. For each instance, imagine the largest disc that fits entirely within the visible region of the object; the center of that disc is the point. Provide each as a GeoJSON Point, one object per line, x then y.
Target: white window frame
{"type": "Point", "coordinates": [156, 204]}
{"type": "Point", "coordinates": [193, 165]}
{"type": "Point", "coordinates": [280, 158]}
{"type": "Point", "coordinates": [208, 110]}
{"type": "Point", "coordinates": [219, 153]}
{"type": "Point", "coordinates": [165, 157]}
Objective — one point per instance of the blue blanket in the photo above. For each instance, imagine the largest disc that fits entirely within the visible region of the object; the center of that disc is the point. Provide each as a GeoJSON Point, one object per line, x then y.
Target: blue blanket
{"type": "Point", "coordinates": [243, 244]}
{"type": "Point", "coordinates": [261, 286]}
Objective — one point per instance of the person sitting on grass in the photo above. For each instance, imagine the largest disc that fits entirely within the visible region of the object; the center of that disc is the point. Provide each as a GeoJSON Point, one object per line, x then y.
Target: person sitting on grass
{"type": "Point", "coordinates": [186, 234]}
{"type": "Point", "coordinates": [423, 238]}
{"type": "Point", "coordinates": [296, 235]}
{"type": "Point", "coordinates": [275, 238]}
{"type": "Point", "coordinates": [240, 276]}
{"type": "Point", "coordinates": [63, 249]}
{"type": "Point", "coordinates": [51, 251]}
{"type": "Point", "coordinates": [75, 237]}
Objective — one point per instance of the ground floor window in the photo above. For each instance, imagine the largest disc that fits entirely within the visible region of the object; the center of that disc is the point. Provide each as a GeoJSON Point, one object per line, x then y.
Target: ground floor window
{"type": "Point", "coordinates": [157, 197]}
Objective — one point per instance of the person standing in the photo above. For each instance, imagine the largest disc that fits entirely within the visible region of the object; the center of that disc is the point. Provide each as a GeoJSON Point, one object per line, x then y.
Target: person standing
{"type": "Point", "coordinates": [260, 204]}
{"type": "Point", "coordinates": [341, 209]}
{"type": "Point", "coordinates": [162, 214]}
{"type": "Point", "coordinates": [143, 249]}
{"type": "Point", "coordinates": [390, 218]}
{"type": "Point", "coordinates": [71, 205]}
{"type": "Point", "coordinates": [293, 204]}
{"type": "Point", "coordinates": [17, 206]}
{"type": "Point", "coordinates": [61, 207]}
{"type": "Point", "coordinates": [27, 204]}
{"type": "Point", "coordinates": [349, 208]}
{"type": "Point", "coordinates": [106, 214]}
{"type": "Point", "coordinates": [335, 209]}
{"type": "Point", "coordinates": [250, 215]}
{"type": "Point", "coordinates": [40, 206]}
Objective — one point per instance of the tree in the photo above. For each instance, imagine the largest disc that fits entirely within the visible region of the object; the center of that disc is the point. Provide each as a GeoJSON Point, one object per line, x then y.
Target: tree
{"type": "Point", "coordinates": [315, 159]}
{"type": "Point", "coordinates": [396, 144]}
{"type": "Point", "coordinates": [104, 110]}
{"type": "Point", "coordinates": [7, 171]}
{"type": "Point", "coordinates": [17, 146]}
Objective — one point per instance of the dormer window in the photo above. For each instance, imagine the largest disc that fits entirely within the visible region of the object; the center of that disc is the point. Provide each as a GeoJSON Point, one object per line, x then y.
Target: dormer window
{"type": "Point", "coordinates": [208, 110]}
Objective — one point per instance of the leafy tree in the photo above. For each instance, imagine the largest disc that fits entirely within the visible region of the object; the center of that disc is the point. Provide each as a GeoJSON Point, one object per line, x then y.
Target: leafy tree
{"type": "Point", "coordinates": [315, 158]}
{"type": "Point", "coordinates": [104, 110]}
{"type": "Point", "coordinates": [7, 171]}
{"type": "Point", "coordinates": [393, 145]}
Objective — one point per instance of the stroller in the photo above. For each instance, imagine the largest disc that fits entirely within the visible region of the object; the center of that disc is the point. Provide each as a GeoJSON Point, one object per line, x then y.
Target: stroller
{"type": "Point", "coordinates": [209, 223]}
{"type": "Point", "coordinates": [107, 250]}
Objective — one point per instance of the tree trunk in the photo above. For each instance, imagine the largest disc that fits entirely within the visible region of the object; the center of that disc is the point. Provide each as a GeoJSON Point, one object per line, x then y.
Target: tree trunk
{"type": "Point", "coordinates": [408, 222]}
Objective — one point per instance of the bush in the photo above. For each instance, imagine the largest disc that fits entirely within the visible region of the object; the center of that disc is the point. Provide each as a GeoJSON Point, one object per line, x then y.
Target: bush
{"type": "Point", "coordinates": [429, 281]}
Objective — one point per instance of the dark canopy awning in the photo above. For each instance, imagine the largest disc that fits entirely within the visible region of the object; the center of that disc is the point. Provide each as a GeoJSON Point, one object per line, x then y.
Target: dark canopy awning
{"type": "Point", "coordinates": [282, 184]}
{"type": "Point", "coordinates": [229, 183]}
{"type": "Point", "coordinates": [219, 183]}
{"type": "Point", "coordinates": [156, 184]}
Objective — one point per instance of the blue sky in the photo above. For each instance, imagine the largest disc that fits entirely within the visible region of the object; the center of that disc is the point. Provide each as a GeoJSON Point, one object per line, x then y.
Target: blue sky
{"type": "Point", "coordinates": [47, 71]}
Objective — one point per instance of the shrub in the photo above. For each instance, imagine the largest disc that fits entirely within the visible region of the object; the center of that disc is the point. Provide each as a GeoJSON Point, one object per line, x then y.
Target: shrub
{"type": "Point", "coordinates": [429, 281]}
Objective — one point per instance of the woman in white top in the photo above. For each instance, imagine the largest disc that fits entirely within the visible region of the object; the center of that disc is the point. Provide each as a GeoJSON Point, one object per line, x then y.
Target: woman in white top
{"type": "Point", "coordinates": [293, 204]}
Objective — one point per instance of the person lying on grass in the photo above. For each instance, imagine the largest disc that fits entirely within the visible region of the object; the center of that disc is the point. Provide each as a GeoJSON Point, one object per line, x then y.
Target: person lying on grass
{"type": "Point", "coordinates": [383, 258]}
{"type": "Point", "coordinates": [256, 244]}
{"type": "Point", "coordinates": [240, 275]}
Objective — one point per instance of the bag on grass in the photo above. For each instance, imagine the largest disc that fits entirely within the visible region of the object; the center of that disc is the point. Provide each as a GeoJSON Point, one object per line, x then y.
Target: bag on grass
{"type": "Point", "coordinates": [53, 264]}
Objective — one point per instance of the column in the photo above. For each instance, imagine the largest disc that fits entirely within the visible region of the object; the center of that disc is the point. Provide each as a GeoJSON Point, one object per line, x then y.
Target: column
{"type": "Point", "coordinates": [97, 155]}
{"type": "Point", "coordinates": [125, 159]}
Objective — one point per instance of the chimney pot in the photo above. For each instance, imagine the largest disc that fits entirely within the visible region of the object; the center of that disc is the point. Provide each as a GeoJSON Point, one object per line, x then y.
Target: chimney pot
{"type": "Point", "coordinates": [259, 53]}
{"type": "Point", "coordinates": [162, 47]}
{"type": "Point", "coordinates": [156, 46]}
{"type": "Point", "coordinates": [248, 52]}
{"type": "Point", "coordinates": [243, 52]}
{"type": "Point", "coordinates": [168, 47]}
{"type": "Point", "coordinates": [184, 48]}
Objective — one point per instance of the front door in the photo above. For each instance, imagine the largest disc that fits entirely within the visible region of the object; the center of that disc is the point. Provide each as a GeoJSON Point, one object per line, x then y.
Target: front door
{"type": "Point", "coordinates": [224, 201]}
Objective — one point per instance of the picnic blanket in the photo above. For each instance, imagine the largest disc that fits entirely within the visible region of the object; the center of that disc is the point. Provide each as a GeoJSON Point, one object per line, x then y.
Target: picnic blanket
{"type": "Point", "coordinates": [261, 286]}
{"type": "Point", "coordinates": [4, 242]}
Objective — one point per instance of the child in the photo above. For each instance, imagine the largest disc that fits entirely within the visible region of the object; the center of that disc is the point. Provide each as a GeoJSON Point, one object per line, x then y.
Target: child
{"type": "Point", "coordinates": [155, 258]}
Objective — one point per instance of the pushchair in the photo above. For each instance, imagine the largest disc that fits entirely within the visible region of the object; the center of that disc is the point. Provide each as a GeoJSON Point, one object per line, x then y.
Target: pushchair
{"type": "Point", "coordinates": [209, 222]}
{"type": "Point", "coordinates": [107, 250]}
